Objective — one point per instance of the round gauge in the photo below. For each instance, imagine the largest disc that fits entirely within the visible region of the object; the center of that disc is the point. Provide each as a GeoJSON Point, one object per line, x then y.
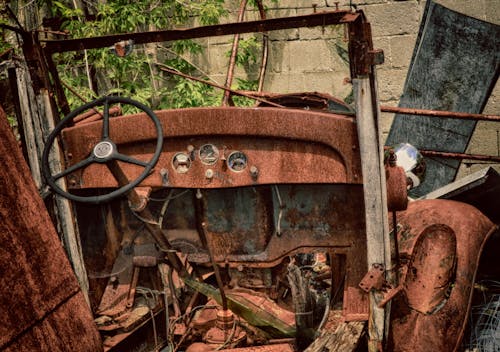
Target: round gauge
{"type": "Point", "coordinates": [209, 154]}
{"type": "Point", "coordinates": [237, 161]}
{"type": "Point", "coordinates": [181, 163]}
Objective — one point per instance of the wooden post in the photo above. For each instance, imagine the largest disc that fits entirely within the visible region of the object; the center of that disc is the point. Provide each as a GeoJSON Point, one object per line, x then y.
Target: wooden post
{"type": "Point", "coordinates": [38, 121]}
{"type": "Point", "coordinates": [66, 218]}
{"type": "Point", "coordinates": [375, 197]}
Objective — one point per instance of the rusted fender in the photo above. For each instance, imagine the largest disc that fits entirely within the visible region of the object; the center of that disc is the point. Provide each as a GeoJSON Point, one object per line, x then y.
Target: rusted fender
{"type": "Point", "coordinates": [440, 243]}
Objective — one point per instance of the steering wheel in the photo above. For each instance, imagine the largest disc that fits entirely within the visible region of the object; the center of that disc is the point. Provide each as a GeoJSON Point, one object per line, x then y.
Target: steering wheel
{"type": "Point", "coordinates": [105, 151]}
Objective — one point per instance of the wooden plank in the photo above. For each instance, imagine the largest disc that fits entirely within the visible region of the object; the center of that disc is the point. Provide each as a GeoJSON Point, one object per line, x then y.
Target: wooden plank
{"type": "Point", "coordinates": [27, 105]}
{"type": "Point", "coordinates": [375, 194]}
{"type": "Point", "coordinates": [38, 121]}
{"type": "Point", "coordinates": [341, 337]}
{"type": "Point", "coordinates": [64, 210]}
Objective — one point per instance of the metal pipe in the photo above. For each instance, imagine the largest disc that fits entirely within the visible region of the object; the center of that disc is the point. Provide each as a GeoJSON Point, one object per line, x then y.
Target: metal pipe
{"type": "Point", "coordinates": [265, 48]}
{"type": "Point", "coordinates": [460, 156]}
{"type": "Point", "coordinates": [440, 113]}
{"type": "Point", "coordinates": [235, 92]}
{"type": "Point", "coordinates": [232, 60]}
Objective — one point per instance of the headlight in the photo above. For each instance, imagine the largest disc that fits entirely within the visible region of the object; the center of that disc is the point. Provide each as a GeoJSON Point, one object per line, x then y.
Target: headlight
{"type": "Point", "coordinates": [409, 158]}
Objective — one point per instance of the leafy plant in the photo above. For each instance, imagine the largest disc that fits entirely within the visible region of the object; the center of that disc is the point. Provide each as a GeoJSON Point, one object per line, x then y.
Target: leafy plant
{"type": "Point", "coordinates": [137, 74]}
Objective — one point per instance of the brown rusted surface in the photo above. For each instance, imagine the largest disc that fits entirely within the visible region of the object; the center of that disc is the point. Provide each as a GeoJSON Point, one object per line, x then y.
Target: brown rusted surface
{"type": "Point", "coordinates": [310, 100]}
{"type": "Point", "coordinates": [441, 223]}
{"type": "Point", "coordinates": [431, 269]}
{"type": "Point", "coordinates": [397, 194]}
{"type": "Point", "coordinates": [287, 146]}
{"type": "Point", "coordinates": [94, 115]}
{"type": "Point", "coordinates": [374, 278]}
{"type": "Point", "coordinates": [114, 299]}
{"type": "Point", "coordinates": [40, 300]}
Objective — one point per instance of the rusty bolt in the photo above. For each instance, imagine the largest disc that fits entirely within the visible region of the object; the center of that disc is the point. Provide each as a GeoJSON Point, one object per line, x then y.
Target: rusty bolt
{"type": "Point", "coordinates": [209, 174]}
{"type": "Point", "coordinates": [254, 172]}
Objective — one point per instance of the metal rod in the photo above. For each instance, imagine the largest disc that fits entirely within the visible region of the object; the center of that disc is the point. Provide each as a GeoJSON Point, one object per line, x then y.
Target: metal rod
{"type": "Point", "coordinates": [265, 48]}
{"type": "Point", "coordinates": [311, 20]}
{"type": "Point", "coordinates": [235, 92]}
{"type": "Point", "coordinates": [440, 113]}
{"type": "Point", "coordinates": [460, 156]}
{"type": "Point", "coordinates": [202, 232]}
{"type": "Point", "coordinates": [232, 60]}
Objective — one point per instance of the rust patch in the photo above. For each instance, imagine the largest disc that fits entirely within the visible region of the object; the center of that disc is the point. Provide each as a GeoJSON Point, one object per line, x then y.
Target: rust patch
{"type": "Point", "coordinates": [438, 221]}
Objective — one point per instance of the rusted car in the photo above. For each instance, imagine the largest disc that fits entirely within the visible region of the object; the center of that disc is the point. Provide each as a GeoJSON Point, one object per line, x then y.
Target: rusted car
{"type": "Point", "coordinates": [248, 229]}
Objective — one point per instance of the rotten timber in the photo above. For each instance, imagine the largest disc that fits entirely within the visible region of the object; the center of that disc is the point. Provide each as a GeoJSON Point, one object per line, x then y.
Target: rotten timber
{"type": "Point", "coordinates": [341, 337]}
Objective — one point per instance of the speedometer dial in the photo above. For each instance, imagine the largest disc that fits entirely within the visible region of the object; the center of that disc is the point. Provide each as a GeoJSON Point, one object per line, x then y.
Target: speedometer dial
{"type": "Point", "coordinates": [237, 161]}
{"type": "Point", "coordinates": [209, 154]}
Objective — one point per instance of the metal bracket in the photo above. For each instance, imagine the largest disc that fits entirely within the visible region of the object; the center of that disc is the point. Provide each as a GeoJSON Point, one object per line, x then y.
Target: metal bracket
{"type": "Point", "coordinates": [374, 278]}
{"type": "Point", "coordinates": [376, 56]}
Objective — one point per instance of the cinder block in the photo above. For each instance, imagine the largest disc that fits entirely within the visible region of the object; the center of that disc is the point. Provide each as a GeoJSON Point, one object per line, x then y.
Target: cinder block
{"type": "Point", "coordinates": [284, 83]}
{"type": "Point", "coordinates": [393, 18]}
{"type": "Point", "coordinates": [311, 55]}
{"type": "Point", "coordinates": [402, 50]}
{"type": "Point", "coordinates": [278, 57]}
{"type": "Point", "coordinates": [476, 8]}
{"type": "Point", "coordinates": [492, 8]}
{"type": "Point", "coordinates": [391, 83]}
{"type": "Point", "coordinates": [218, 58]}
{"type": "Point", "coordinates": [327, 82]}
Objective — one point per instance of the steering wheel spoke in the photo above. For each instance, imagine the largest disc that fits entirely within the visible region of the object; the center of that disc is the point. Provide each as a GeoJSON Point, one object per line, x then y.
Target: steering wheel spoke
{"type": "Point", "coordinates": [79, 165]}
{"type": "Point", "coordinates": [129, 159]}
{"type": "Point", "coordinates": [105, 120]}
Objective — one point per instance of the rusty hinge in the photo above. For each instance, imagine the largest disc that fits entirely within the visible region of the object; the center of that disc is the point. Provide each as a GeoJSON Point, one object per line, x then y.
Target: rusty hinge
{"type": "Point", "coordinates": [374, 278]}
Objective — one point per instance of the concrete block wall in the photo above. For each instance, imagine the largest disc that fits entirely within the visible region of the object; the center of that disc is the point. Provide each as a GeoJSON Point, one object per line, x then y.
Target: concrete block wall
{"type": "Point", "coordinates": [308, 59]}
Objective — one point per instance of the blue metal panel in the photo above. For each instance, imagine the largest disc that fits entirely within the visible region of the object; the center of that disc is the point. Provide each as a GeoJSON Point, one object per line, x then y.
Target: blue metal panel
{"type": "Point", "coordinates": [454, 67]}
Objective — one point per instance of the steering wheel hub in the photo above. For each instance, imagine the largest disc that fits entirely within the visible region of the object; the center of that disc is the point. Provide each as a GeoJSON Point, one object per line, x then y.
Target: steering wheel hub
{"type": "Point", "coordinates": [103, 150]}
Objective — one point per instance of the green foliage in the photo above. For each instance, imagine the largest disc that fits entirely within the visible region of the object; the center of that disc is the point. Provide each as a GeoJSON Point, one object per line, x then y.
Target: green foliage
{"type": "Point", "coordinates": [137, 75]}
{"type": "Point", "coordinates": [4, 45]}
{"type": "Point", "coordinates": [247, 51]}
{"type": "Point", "coordinates": [249, 85]}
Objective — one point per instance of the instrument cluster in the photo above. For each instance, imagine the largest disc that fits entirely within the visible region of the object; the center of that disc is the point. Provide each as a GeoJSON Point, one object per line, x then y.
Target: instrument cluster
{"type": "Point", "coordinates": [209, 155]}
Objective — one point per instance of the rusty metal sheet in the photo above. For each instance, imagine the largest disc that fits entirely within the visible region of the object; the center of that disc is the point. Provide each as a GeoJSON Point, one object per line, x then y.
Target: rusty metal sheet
{"type": "Point", "coordinates": [454, 67]}
{"type": "Point", "coordinates": [442, 327]}
{"type": "Point", "coordinates": [40, 300]}
{"type": "Point", "coordinates": [285, 145]}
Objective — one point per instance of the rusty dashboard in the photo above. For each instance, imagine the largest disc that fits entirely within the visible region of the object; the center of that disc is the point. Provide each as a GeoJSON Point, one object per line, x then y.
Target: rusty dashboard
{"type": "Point", "coordinates": [225, 147]}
